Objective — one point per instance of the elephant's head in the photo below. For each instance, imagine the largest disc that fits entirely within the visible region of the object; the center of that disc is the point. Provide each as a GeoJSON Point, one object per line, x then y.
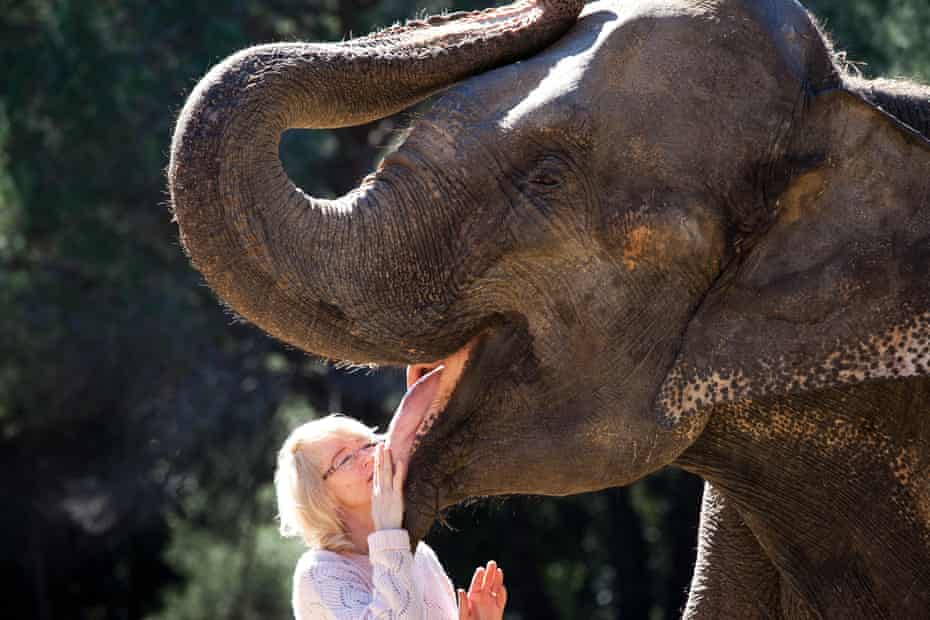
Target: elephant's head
{"type": "Point", "coordinates": [550, 230]}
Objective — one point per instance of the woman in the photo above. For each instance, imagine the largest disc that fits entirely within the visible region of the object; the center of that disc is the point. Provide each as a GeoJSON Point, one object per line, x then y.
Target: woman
{"type": "Point", "coordinates": [338, 489]}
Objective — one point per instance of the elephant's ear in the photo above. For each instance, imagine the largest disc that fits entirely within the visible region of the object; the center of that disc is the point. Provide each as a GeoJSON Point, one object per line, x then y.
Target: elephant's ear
{"type": "Point", "coordinates": [837, 290]}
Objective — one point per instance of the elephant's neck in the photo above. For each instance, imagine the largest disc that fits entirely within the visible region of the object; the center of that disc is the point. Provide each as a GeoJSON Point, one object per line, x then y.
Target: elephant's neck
{"type": "Point", "coordinates": [907, 101]}
{"type": "Point", "coordinates": [839, 502]}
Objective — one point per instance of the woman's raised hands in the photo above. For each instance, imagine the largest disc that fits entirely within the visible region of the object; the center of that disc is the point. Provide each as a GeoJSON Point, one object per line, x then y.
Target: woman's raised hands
{"type": "Point", "coordinates": [486, 595]}
{"type": "Point", "coordinates": [387, 494]}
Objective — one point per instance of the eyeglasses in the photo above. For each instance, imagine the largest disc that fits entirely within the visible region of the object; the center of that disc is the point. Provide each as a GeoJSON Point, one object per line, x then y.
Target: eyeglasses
{"type": "Point", "coordinates": [348, 459]}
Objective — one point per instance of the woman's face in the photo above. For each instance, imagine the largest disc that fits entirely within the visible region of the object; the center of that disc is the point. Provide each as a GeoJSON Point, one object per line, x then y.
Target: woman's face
{"type": "Point", "coordinates": [348, 465]}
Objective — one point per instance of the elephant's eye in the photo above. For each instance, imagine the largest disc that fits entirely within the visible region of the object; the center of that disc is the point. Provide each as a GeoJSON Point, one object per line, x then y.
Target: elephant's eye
{"type": "Point", "coordinates": [546, 179]}
{"type": "Point", "coordinates": [548, 172]}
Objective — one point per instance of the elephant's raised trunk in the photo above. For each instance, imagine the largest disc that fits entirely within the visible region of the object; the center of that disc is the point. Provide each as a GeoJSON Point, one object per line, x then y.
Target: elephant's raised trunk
{"type": "Point", "coordinates": [302, 268]}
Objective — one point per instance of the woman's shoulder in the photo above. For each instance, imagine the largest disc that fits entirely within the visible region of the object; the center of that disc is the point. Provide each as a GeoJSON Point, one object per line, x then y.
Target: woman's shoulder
{"type": "Point", "coordinates": [327, 584]}
{"type": "Point", "coordinates": [318, 567]}
{"type": "Point", "coordinates": [316, 557]}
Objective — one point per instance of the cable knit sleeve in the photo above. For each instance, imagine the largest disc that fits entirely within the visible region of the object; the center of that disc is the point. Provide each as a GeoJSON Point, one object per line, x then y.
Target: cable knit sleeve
{"type": "Point", "coordinates": [437, 576]}
{"type": "Point", "coordinates": [333, 588]}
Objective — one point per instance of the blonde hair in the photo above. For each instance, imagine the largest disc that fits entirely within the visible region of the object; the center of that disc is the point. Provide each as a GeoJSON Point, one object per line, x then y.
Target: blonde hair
{"type": "Point", "coordinates": [305, 506]}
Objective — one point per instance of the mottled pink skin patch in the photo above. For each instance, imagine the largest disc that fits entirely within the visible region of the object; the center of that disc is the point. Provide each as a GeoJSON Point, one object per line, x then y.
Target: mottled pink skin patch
{"type": "Point", "coordinates": [902, 351]}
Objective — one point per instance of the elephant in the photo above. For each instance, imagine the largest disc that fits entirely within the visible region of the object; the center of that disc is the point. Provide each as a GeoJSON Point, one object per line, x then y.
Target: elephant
{"type": "Point", "coordinates": [622, 236]}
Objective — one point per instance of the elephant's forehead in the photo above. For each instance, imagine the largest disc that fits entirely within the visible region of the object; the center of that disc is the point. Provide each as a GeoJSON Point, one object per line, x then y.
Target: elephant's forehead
{"type": "Point", "coordinates": [563, 67]}
{"type": "Point", "coordinates": [592, 56]}
{"type": "Point", "coordinates": [562, 80]}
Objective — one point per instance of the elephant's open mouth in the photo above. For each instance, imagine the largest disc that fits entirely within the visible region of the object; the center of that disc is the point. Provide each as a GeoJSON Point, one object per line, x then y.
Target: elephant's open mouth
{"type": "Point", "coordinates": [429, 389]}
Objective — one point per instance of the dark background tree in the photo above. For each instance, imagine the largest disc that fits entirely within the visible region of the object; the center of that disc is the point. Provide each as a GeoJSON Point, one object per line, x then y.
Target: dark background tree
{"type": "Point", "coordinates": [139, 422]}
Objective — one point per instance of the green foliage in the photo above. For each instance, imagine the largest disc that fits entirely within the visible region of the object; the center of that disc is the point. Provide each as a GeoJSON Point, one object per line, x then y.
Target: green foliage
{"type": "Point", "coordinates": [11, 241]}
{"type": "Point", "coordinates": [248, 576]}
{"type": "Point", "coordinates": [888, 38]}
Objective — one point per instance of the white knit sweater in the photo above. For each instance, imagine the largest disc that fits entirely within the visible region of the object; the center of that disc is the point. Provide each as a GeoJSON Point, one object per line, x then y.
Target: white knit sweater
{"type": "Point", "coordinates": [389, 583]}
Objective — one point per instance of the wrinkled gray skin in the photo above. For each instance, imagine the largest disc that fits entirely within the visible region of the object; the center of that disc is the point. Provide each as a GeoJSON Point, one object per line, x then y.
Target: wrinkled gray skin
{"type": "Point", "coordinates": [681, 236]}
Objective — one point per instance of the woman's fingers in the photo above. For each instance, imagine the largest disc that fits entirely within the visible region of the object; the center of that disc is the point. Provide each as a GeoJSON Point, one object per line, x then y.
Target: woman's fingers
{"type": "Point", "coordinates": [490, 574]}
{"type": "Point", "coordinates": [502, 597]}
{"type": "Point", "coordinates": [387, 473]}
{"type": "Point", "coordinates": [495, 580]}
{"type": "Point", "coordinates": [464, 608]}
{"type": "Point", "coordinates": [400, 474]}
{"type": "Point", "coordinates": [376, 480]}
{"type": "Point", "coordinates": [476, 580]}
{"type": "Point", "coordinates": [387, 501]}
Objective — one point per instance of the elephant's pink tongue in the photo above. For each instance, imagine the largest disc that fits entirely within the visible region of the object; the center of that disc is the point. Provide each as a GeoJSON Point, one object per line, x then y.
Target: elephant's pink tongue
{"type": "Point", "coordinates": [414, 408]}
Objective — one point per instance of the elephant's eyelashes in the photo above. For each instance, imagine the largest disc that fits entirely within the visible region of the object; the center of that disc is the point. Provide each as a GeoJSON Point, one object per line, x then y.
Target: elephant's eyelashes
{"type": "Point", "coordinates": [548, 172]}
{"type": "Point", "coordinates": [546, 179]}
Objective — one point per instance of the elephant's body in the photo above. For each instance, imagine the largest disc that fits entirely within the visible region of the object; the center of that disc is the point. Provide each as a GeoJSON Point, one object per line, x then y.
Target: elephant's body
{"type": "Point", "coordinates": [799, 521]}
{"type": "Point", "coordinates": [678, 235]}
{"type": "Point", "coordinates": [817, 458]}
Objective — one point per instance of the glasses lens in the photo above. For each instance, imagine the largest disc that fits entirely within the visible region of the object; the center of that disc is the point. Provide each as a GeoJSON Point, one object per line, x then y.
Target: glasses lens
{"type": "Point", "coordinates": [353, 456]}
{"type": "Point", "coordinates": [350, 458]}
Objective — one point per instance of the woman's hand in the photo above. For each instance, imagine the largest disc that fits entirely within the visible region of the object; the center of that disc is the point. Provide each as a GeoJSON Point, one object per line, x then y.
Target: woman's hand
{"type": "Point", "coordinates": [387, 495]}
{"type": "Point", "coordinates": [486, 595]}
